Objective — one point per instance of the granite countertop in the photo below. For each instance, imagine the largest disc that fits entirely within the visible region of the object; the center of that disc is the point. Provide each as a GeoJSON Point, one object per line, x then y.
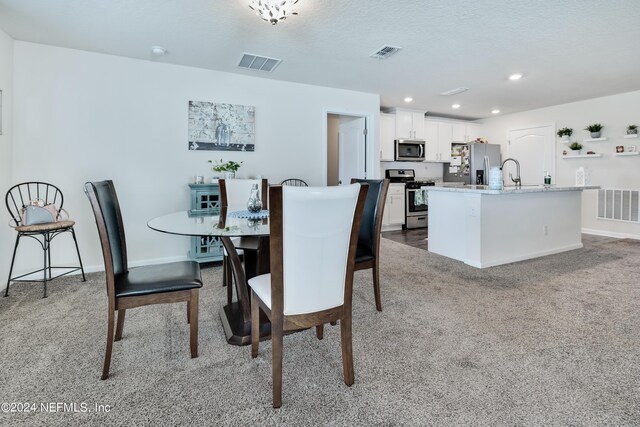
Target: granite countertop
{"type": "Point", "coordinates": [483, 189]}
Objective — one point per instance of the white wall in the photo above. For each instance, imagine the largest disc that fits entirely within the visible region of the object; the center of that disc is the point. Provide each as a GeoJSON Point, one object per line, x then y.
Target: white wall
{"type": "Point", "coordinates": [83, 116]}
{"type": "Point", "coordinates": [615, 113]}
{"type": "Point", "coordinates": [7, 236]}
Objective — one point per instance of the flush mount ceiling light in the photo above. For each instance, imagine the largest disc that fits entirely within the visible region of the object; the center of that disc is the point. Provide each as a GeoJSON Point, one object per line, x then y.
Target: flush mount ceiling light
{"type": "Point", "coordinates": [455, 106]}
{"type": "Point", "coordinates": [496, 111]}
{"type": "Point", "coordinates": [158, 51]}
{"type": "Point", "coordinates": [408, 99]}
{"type": "Point", "coordinates": [273, 11]}
{"type": "Point", "coordinates": [516, 76]}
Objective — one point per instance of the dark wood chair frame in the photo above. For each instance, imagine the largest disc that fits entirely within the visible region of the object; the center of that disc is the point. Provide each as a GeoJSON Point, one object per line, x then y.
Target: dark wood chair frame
{"type": "Point", "coordinates": [191, 297]}
{"type": "Point", "coordinates": [281, 323]}
{"type": "Point", "coordinates": [374, 263]}
{"type": "Point", "coordinates": [245, 243]}
{"type": "Point", "coordinates": [16, 198]}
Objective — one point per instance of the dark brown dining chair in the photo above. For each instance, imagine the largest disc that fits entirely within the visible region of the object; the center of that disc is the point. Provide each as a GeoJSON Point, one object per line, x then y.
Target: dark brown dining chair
{"type": "Point", "coordinates": [368, 253]}
{"type": "Point", "coordinates": [294, 182]}
{"type": "Point", "coordinates": [312, 257]}
{"type": "Point", "coordinates": [234, 194]}
{"type": "Point", "coordinates": [42, 193]}
{"type": "Point", "coordinates": [140, 286]}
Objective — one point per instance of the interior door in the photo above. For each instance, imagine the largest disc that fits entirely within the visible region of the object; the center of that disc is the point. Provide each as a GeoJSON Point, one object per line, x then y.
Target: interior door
{"type": "Point", "coordinates": [534, 148]}
{"type": "Point", "coordinates": [352, 149]}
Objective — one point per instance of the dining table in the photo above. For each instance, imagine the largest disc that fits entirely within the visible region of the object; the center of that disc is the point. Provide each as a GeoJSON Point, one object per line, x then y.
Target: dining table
{"type": "Point", "coordinates": [225, 224]}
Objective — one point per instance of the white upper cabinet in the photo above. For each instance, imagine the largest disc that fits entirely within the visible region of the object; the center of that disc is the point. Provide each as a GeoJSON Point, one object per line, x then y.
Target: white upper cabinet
{"type": "Point", "coordinates": [409, 124]}
{"type": "Point", "coordinates": [431, 137]}
{"type": "Point", "coordinates": [473, 131]}
{"type": "Point", "coordinates": [387, 135]}
{"type": "Point", "coordinates": [445, 137]}
{"type": "Point", "coordinates": [440, 134]}
{"type": "Point", "coordinates": [458, 132]}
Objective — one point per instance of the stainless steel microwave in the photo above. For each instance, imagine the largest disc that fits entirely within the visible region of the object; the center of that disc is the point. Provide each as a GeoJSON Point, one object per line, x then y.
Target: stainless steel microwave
{"type": "Point", "coordinates": [409, 150]}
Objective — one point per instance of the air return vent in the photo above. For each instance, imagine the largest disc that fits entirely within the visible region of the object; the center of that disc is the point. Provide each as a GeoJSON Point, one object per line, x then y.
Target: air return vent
{"type": "Point", "coordinates": [454, 91]}
{"type": "Point", "coordinates": [258, 63]}
{"type": "Point", "coordinates": [384, 52]}
{"type": "Point", "coordinates": [618, 205]}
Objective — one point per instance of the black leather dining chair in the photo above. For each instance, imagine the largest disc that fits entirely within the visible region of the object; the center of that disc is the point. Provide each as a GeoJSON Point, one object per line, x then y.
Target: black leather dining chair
{"type": "Point", "coordinates": [140, 286]}
{"type": "Point", "coordinates": [368, 252]}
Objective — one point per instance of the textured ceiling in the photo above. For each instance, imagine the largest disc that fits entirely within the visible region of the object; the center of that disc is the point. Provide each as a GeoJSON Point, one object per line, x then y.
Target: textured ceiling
{"type": "Point", "coordinates": [568, 50]}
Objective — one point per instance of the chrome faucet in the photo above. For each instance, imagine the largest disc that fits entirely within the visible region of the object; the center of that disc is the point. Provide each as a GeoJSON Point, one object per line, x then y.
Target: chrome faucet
{"type": "Point", "coordinates": [517, 179]}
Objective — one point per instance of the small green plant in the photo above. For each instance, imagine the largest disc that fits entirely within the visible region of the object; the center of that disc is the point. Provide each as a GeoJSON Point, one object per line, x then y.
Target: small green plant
{"type": "Point", "coordinates": [222, 166]}
{"type": "Point", "coordinates": [565, 131]}
{"type": "Point", "coordinates": [632, 127]}
{"type": "Point", "coordinates": [596, 127]}
{"type": "Point", "coordinates": [575, 146]}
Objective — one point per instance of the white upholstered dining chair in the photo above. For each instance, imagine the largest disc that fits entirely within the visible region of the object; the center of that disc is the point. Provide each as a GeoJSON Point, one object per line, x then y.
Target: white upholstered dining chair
{"type": "Point", "coordinates": [313, 239]}
{"type": "Point", "coordinates": [234, 194]}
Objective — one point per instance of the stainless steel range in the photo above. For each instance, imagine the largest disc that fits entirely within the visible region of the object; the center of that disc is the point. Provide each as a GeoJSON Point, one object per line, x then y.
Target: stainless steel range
{"type": "Point", "coordinates": [416, 198]}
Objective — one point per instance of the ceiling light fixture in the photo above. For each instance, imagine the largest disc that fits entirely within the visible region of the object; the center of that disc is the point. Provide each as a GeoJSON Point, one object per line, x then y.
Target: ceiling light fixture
{"type": "Point", "coordinates": [496, 111]}
{"type": "Point", "coordinates": [408, 99]}
{"type": "Point", "coordinates": [455, 106]}
{"type": "Point", "coordinates": [158, 51]}
{"type": "Point", "coordinates": [273, 11]}
{"type": "Point", "coordinates": [516, 76]}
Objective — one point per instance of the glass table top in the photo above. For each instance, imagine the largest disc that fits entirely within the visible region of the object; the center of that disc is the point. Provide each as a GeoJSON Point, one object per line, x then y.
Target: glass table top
{"type": "Point", "coordinates": [186, 223]}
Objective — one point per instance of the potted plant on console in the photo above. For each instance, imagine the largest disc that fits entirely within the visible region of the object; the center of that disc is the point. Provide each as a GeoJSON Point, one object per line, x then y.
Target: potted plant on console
{"type": "Point", "coordinates": [632, 130]}
{"type": "Point", "coordinates": [575, 148]}
{"type": "Point", "coordinates": [565, 133]}
{"type": "Point", "coordinates": [229, 168]}
{"type": "Point", "coordinates": [595, 130]}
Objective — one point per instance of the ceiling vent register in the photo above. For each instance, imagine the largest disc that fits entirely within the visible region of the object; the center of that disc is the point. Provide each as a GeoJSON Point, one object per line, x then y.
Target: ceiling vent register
{"type": "Point", "coordinates": [385, 51]}
{"type": "Point", "coordinates": [454, 91]}
{"type": "Point", "coordinates": [258, 63]}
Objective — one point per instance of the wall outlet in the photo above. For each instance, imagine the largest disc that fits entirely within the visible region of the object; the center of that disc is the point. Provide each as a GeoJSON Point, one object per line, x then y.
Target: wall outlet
{"type": "Point", "coordinates": [545, 230]}
{"type": "Point", "coordinates": [472, 212]}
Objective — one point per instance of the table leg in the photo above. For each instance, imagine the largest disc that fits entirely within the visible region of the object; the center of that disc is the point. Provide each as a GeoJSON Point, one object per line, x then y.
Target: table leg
{"type": "Point", "coordinates": [236, 317]}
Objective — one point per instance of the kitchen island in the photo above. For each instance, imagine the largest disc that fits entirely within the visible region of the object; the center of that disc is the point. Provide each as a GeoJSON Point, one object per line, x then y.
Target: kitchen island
{"type": "Point", "coordinates": [484, 228]}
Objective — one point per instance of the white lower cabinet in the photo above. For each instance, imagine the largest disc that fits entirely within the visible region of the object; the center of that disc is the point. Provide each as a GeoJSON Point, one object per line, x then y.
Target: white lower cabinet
{"type": "Point", "coordinates": [393, 216]}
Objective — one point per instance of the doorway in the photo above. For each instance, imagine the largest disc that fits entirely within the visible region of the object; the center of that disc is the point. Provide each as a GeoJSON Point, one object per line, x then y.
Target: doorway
{"type": "Point", "coordinates": [346, 148]}
{"type": "Point", "coordinates": [534, 148]}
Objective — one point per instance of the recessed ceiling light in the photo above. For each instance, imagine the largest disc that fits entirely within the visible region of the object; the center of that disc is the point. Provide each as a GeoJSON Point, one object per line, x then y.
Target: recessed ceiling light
{"type": "Point", "coordinates": [408, 99]}
{"type": "Point", "coordinates": [455, 106]}
{"type": "Point", "coordinates": [496, 111]}
{"type": "Point", "coordinates": [516, 76]}
{"type": "Point", "coordinates": [158, 51]}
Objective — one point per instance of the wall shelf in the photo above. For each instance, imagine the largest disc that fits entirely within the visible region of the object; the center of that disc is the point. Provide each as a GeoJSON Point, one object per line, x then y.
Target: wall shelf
{"type": "Point", "coordinates": [635, 135]}
{"type": "Point", "coordinates": [581, 156]}
{"type": "Point", "coordinates": [594, 139]}
{"type": "Point", "coordinates": [627, 154]}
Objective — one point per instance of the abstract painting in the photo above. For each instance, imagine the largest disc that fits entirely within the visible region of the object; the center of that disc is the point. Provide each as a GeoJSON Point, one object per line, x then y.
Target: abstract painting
{"type": "Point", "coordinates": [223, 127]}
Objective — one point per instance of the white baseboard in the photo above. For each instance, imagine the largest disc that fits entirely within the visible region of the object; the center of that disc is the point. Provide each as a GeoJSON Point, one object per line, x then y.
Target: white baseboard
{"type": "Point", "coordinates": [610, 234]}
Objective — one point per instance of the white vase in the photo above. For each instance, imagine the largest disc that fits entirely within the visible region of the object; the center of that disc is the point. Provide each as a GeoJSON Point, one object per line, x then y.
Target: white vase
{"type": "Point", "coordinates": [595, 135]}
{"type": "Point", "coordinates": [565, 137]}
{"type": "Point", "coordinates": [575, 152]}
{"type": "Point", "coordinates": [229, 175]}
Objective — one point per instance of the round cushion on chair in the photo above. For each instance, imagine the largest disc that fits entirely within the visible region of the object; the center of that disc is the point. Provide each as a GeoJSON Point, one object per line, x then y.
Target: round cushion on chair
{"type": "Point", "coordinates": [50, 226]}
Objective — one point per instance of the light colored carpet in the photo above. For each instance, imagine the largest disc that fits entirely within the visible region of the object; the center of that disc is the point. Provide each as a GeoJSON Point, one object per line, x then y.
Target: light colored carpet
{"type": "Point", "coordinates": [551, 341]}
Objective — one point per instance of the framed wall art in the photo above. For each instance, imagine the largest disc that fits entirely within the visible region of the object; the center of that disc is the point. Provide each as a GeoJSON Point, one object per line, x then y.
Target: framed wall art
{"type": "Point", "coordinates": [223, 127]}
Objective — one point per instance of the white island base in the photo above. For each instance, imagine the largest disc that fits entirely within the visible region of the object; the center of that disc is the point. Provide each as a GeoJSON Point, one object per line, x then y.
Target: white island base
{"type": "Point", "coordinates": [484, 228]}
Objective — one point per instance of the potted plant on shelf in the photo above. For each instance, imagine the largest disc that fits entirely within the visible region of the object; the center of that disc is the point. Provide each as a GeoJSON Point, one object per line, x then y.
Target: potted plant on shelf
{"type": "Point", "coordinates": [229, 168]}
{"type": "Point", "coordinates": [632, 130]}
{"type": "Point", "coordinates": [565, 133]}
{"type": "Point", "coordinates": [575, 148]}
{"type": "Point", "coordinates": [595, 130]}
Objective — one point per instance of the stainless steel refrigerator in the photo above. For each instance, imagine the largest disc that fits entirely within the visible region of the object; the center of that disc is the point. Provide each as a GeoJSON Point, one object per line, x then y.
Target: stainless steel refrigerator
{"type": "Point", "coordinates": [470, 162]}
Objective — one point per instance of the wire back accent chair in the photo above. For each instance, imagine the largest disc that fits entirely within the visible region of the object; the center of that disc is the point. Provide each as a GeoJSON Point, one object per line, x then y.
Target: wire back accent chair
{"type": "Point", "coordinates": [312, 257]}
{"type": "Point", "coordinates": [136, 287]}
{"type": "Point", "coordinates": [368, 253]}
{"type": "Point", "coordinates": [16, 199]}
{"type": "Point", "coordinates": [294, 182]}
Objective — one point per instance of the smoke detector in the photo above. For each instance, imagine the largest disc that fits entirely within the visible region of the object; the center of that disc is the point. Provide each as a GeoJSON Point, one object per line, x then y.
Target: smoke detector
{"type": "Point", "coordinates": [158, 51]}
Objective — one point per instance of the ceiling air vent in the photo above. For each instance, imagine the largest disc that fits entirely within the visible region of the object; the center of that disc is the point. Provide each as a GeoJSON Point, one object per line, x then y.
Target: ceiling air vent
{"type": "Point", "coordinates": [258, 63]}
{"type": "Point", "coordinates": [454, 91]}
{"type": "Point", "coordinates": [384, 52]}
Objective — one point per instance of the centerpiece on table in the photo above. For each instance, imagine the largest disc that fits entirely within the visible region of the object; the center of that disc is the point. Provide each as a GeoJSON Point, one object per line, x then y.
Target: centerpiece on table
{"type": "Point", "coordinates": [229, 168]}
